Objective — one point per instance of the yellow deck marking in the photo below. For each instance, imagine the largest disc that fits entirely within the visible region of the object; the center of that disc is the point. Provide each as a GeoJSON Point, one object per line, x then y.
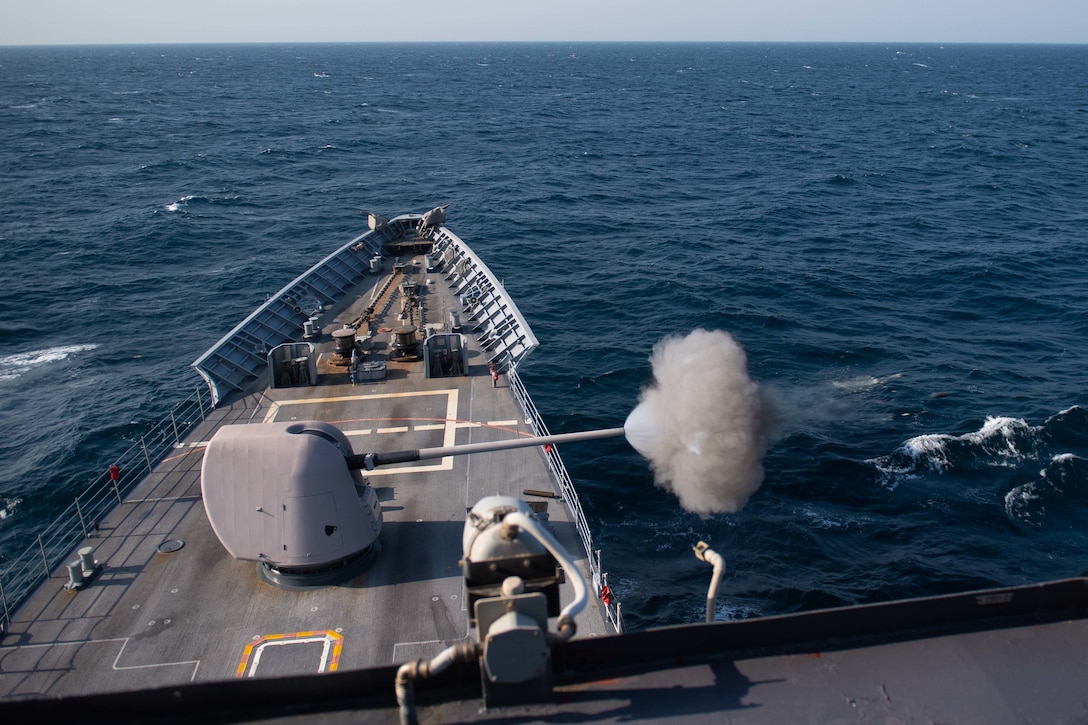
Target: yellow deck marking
{"type": "Point", "coordinates": [330, 653]}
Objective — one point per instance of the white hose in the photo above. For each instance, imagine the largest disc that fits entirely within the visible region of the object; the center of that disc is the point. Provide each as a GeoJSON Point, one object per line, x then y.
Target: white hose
{"type": "Point", "coordinates": [703, 552]}
{"type": "Point", "coordinates": [422, 669]}
{"type": "Point", "coordinates": [581, 593]}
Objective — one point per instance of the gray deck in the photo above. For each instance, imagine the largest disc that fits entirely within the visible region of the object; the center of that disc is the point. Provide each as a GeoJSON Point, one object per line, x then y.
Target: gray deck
{"type": "Point", "coordinates": [155, 619]}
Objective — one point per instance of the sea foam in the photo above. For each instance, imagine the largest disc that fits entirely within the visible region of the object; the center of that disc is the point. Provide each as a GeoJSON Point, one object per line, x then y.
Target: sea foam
{"type": "Point", "coordinates": [13, 366]}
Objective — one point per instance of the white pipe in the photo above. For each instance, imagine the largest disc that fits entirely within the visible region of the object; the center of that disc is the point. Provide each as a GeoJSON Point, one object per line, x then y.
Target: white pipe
{"type": "Point", "coordinates": [581, 593]}
{"type": "Point", "coordinates": [705, 553]}
{"type": "Point", "coordinates": [422, 669]}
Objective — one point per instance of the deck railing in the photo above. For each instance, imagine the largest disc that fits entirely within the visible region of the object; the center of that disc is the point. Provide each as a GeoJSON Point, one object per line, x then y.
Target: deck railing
{"type": "Point", "coordinates": [570, 495]}
{"type": "Point", "coordinates": [79, 521]}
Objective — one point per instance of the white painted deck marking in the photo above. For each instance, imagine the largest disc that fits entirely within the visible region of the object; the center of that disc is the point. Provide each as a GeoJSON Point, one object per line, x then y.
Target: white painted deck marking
{"type": "Point", "coordinates": [432, 646]}
{"type": "Point", "coordinates": [326, 649]}
{"type": "Point", "coordinates": [422, 428]}
{"type": "Point", "coordinates": [332, 644]}
{"type": "Point", "coordinates": [449, 436]}
{"type": "Point", "coordinates": [194, 663]}
{"type": "Point", "coordinates": [117, 667]}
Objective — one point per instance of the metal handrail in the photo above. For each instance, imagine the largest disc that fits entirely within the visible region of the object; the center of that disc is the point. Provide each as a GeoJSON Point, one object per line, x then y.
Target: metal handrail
{"type": "Point", "coordinates": [80, 519]}
{"type": "Point", "coordinates": [570, 495]}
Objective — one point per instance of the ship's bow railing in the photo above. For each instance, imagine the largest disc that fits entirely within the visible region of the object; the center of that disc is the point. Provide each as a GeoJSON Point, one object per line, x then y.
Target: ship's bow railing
{"type": "Point", "coordinates": [489, 312]}
{"type": "Point", "coordinates": [21, 574]}
{"type": "Point", "coordinates": [241, 355]}
{"type": "Point", "coordinates": [570, 495]}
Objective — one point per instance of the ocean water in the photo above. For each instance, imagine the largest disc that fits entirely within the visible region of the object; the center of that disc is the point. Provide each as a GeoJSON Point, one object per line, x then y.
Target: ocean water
{"type": "Point", "coordinates": [895, 234]}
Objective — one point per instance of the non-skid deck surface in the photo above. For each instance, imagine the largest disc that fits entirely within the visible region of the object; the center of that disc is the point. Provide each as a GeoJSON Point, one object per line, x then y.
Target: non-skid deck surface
{"type": "Point", "coordinates": [153, 619]}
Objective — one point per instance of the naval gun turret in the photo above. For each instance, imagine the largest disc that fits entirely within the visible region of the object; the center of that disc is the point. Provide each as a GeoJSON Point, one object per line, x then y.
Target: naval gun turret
{"type": "Point", "coordinates": [290, 496]}
{"type": "Point", "coordinates": [281, 494]}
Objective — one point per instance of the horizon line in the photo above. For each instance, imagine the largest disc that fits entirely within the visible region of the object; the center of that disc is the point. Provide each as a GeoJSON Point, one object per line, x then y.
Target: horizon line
{"type": "Point", "coordinates": [182, 43]}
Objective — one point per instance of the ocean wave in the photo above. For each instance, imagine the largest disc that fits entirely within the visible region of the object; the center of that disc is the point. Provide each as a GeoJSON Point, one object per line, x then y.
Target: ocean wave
{"type": "Point", "coordinates": [7, 506]}
{"type": "Point", "coordinates": [166, 165]}
{"type": "Point", "coordinates": [1000, 442]}
{"type": "Point", "coordinates": [827, 522]}
{"type": "Point", "coordinates": [193, 201]}
{"type": "Point", "coordinates": [177, 205]}
{"type": "Point", "coordinates": [13, 366]}
{"type": "Point", "coordinates": [1061, 486]}
{"type": "Point", "coordinates": [728, 610]}
{"type": "Point", "coordinates": [863, 382]}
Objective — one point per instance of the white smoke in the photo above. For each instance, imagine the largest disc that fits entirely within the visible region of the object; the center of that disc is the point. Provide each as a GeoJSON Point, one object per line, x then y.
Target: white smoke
{"type": "Point", "coordinates": [703, 424]}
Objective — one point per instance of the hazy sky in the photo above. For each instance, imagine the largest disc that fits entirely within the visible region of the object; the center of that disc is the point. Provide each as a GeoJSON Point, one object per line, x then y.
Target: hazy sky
{"type": "Point", "coordinates": [219, 21]}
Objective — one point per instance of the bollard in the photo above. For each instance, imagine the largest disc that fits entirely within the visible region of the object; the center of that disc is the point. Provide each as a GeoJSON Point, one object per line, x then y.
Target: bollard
{"type": "Point", "coordinates": [82, 570]}
{"type": "Point", "coordinates": [86, 559]}
{"type": "Point", "coordinates": [75, 575]}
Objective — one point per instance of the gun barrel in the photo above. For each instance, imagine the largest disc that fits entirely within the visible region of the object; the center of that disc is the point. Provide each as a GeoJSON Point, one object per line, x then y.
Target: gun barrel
{"type": "Point", "coordinates": [372, 460]}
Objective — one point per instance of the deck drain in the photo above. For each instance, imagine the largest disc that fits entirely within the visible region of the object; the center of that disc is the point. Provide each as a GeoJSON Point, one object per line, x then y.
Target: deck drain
{"type": "Point", "coordinates": [169, 547]}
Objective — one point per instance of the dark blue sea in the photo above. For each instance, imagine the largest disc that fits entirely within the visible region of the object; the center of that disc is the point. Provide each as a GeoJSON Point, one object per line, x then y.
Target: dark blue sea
{"type": "Point", "coordinates": [897, 235]}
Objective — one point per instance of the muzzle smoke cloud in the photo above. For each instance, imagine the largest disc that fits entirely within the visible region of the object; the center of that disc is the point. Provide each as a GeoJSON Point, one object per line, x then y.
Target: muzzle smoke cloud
{"type": "Point", "coordinates": [703, 424]}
